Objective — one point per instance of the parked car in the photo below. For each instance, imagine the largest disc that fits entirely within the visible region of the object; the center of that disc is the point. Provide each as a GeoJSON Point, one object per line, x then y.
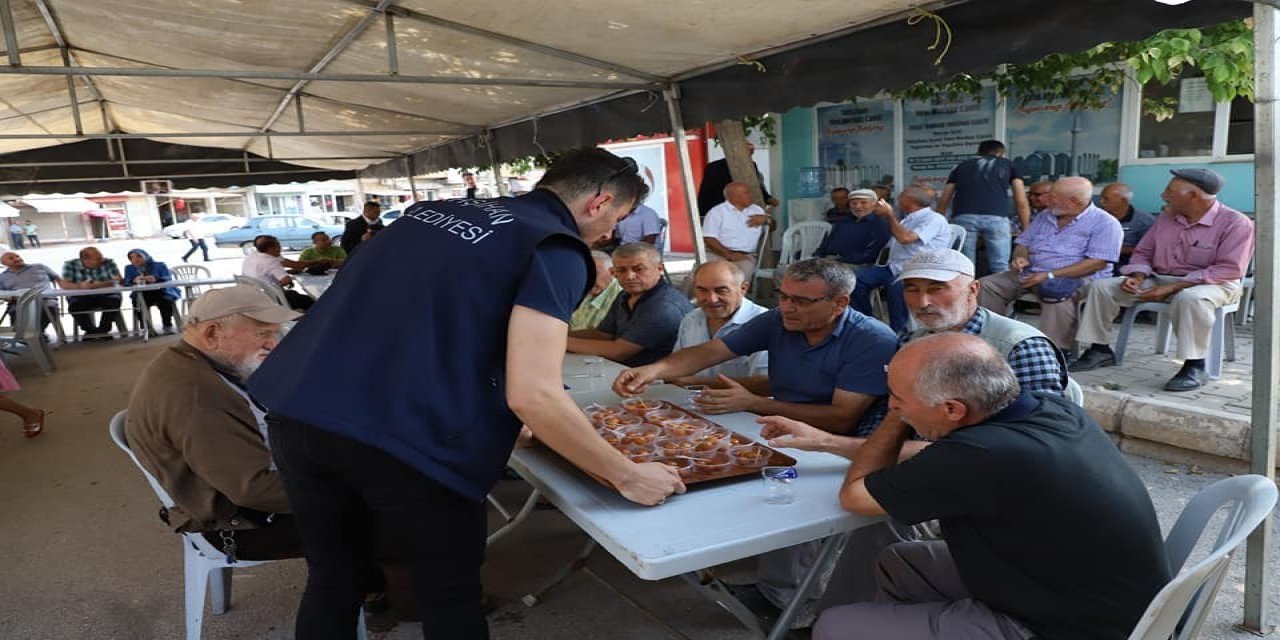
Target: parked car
{"type": "Point", "coordinates": [294, 232]}
{"type": "Point", "coordinates": [210, 224]}
{"type": "Point", "coordinates": [390, 216]}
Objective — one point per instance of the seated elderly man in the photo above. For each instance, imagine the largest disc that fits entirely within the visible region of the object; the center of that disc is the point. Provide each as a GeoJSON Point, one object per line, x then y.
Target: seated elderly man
{"type": "Point", "coordinates": [1049, 532]}
{"type": "Point", "coordinates": [92, 271]}
{"type": "Point", "coordinates": [18, 274]}
{"type": "Point", "coordinates": [194, 427]}
{"type": "Point", "coordinates": [641, 326]}
{"type": "Point", "coordinates": [642, 225]}
{"type": "Point", "coordinates": [267, 265]}
{"type": "Point", "coordinates": [599, 298]}
{"type": "Point", "coordinates": [732, 228]}
{"type": "Point", "coordinates": [857, 235]}
{"type": "Point", "coordinates": [1116, 199]}
{"type": "Point", "coordinates": [1056, 257]}
{"type": "Point", "coordinates": [1192, 258]}
{"type": "Point", "coordinates": [826, 361]}
{"type": "Point", "coordinates": [720, 291]}
{"type": "Point", "coordinates": [323, 254]}
{"type": "Point", "coordinates": [921, 229]}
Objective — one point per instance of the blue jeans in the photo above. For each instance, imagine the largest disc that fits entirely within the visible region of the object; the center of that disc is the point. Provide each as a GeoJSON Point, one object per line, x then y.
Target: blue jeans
{"type": "Point", "coordinates": [995, 231]}
{"type": "Point", "coordinates": [880, 277]}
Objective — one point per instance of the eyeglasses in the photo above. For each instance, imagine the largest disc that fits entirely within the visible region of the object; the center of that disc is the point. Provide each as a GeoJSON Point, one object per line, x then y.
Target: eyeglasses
{"type": "Point", "coordinates": [799, 301]}
{"type": "Point", "coordinates": [628, 167]}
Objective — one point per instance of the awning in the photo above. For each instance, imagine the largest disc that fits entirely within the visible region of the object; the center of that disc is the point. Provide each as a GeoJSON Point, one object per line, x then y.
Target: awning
{"type": "Point", "coordinates": [7, 211]}
{"type": "Point", "coordinates": [60, 205]}
{"type": "Point", "coordinates": [103, 213]}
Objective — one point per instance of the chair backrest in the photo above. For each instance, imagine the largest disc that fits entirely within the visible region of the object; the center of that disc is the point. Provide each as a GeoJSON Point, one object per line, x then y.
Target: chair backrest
{"type": "Point", "coordinates": [273, 290]}
{"type": "Point", "coordinates": [190, 272]}
{"type": "Point", "coordinates": [27, 316]}
{"type": "Point", "coordinates": [1180, 609]}
{"type": "Point", "coordinates": [801, 240]}
{"type": "Point", "coordinates": [1074, 392]}
{"type": "Point", "coordinates": [122, 441]}
{"type": "Point", "coordinates": [958, 234]}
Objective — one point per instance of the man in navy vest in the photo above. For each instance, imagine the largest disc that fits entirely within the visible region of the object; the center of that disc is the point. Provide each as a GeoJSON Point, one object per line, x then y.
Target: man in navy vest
{"type": "Point", "coordinates": [473, 300]}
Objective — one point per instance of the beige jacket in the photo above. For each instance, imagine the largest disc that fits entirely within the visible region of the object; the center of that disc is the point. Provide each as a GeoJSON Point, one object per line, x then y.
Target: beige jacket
{"type": "Point", "coordinates": [198, 436]}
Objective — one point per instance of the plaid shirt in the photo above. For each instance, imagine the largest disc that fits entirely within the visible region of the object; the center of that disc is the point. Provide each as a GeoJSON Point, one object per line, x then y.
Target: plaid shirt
{"type": "Point", "coordinates": [75, 271]}
{"type": "Point", "coordinates": [1034, 361]}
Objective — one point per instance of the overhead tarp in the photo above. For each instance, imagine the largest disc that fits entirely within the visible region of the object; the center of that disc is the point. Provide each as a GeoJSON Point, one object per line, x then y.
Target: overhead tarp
{"type": "Point", "coordinates": [104, 213]}
{"type": "Point", "coordinates": [7, 211]}
{"type": "Point", "coordinates": [888, 57]}
{"type": "Point", "coordinates": [60, 205]}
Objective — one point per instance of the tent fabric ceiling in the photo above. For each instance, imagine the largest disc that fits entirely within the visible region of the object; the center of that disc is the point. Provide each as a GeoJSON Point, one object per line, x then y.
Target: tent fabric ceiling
{"type": "Point", "coordinates": [537, 76]}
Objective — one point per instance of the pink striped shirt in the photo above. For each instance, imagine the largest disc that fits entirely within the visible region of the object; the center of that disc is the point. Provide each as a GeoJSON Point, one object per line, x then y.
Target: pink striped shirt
{"type": "Point", "coordinates": [1214, 250]}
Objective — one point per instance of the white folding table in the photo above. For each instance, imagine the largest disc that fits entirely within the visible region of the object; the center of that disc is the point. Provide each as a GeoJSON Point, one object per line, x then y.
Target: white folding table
{"type": "Point", "coordinates": [708, 526]}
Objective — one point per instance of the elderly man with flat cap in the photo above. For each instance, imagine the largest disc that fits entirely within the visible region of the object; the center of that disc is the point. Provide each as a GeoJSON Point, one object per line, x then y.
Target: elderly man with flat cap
{"type": "Point", "coordinates": [1192, 258]}
{"type": "Point", "coordinates": [857, 235]}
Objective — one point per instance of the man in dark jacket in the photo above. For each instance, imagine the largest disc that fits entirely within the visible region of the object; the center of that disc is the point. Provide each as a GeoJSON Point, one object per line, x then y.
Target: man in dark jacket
{"type": "Point", "coordinates": [362, 227]}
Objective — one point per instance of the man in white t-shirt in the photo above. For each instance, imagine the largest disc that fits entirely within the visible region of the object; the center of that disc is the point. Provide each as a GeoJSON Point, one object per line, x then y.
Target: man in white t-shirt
{"type": "Point", "coordinates": [732, 228]}
{"type": "Point", "coordinates": [266, 264]}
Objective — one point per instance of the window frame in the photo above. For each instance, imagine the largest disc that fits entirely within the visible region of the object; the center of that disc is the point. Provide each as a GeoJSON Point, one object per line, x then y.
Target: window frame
{"type": "Point", "coordinates": [1132, 122]}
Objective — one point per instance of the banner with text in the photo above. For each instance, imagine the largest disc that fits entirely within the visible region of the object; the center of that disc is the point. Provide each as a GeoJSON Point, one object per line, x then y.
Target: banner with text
{"type": "Point", "coordinates": [938, 134]}
{"type": "Point", "coordinates": [855, 144]}
{"type": "Point", "coordinates": [1041, 146]}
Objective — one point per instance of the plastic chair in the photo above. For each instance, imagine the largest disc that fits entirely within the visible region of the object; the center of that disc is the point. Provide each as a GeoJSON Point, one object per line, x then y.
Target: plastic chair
{"type": "Point", "coordinates": [203, 565]}
{"type": "Point", "coordinates": [958, 234]}
{"type": "Point", "coordinates": [1075, 392]}
{"type": "Point", "coordinates": [1180, 608]}
{"type": "Point", "coordinates": [799, 242]}
{"type": "Point", "coordinates": [273, 290]}
{"type": "Point", "coordinates": [191, 272]}
{"type": "Point", "coordinates": [1222, 334]}
{"type": "Point", "coordinates": [27, 311]}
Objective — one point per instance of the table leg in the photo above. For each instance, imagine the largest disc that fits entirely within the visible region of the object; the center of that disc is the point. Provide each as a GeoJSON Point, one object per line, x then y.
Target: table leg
{"type": "Point", "coordinates": [512, 523]}
{"type": "Point", "coordinates": [578, 563]}
{"type": "Point", "coordinates": [826, 557]}
{"type": "Point", "coordinates": [715, 590]}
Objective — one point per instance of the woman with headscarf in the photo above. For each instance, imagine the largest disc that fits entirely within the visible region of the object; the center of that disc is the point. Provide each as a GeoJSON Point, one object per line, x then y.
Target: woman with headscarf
{"type": "Point", "coordinates": [143, 270]}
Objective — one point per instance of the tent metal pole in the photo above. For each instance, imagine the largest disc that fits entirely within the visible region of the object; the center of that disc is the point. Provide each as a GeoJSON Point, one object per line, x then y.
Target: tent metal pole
{"type": "Point", "coordinates": [106, 126]}
{"type": "Point", "coordinates": [244, 159]}
{"type": "Point", "coordinates": [1266, 351]}
{"type": "Point", "coordinates": [10, 34]}
{"type": "Point", "coordinates": [393, 56]}
{"type": "Point", "coordinates": [71, 91]}
{"type": "Point", "coordinates": [216, 134]}
{"type": "Point", "coordinates": [672, 94]}
{"type": "Point", "coordinates": [297, 104]}
{"type": "Point", "coordinates": [409, 171]}
{"type": "Point", "coordinates": [124, 162]}
{"type": "Point", "coordinates": [176, 176]}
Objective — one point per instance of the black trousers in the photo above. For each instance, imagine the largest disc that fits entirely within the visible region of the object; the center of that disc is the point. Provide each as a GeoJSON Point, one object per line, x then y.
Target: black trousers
{"type": "Point", "coordinates": [275, 540]}
{"type": "Point", "coordinates": [346, 495]}
{"type": "Point", "coordinates": [298, 301]}
{"type": "Point", "coordinates": [157, 300]}
{"type": "Point", "coordinates": [33, 240]}
{"type": "Point", "coordinates": [82, 308]}
{"type": "Point", "coordinates": [197, 244]}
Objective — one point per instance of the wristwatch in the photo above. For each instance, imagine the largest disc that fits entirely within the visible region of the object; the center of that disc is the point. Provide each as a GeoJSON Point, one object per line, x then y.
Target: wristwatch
{"type": "Point", "coordinates": [1049, 275]}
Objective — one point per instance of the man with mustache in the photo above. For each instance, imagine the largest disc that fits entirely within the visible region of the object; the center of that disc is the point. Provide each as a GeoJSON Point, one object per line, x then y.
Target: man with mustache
{"type": "Point", "coordinates": [194, 427]}
{"type": "Point", "coordinates": [720, 289]}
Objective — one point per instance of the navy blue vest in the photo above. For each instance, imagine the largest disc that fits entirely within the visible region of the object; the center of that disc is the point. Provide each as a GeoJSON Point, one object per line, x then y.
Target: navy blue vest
{"type": "Point", "coordinates": [406, 351]}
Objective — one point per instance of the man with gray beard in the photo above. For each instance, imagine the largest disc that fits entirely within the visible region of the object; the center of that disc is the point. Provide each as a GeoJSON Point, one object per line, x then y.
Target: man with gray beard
{"type": "Point", "coordinates": [195, 428]}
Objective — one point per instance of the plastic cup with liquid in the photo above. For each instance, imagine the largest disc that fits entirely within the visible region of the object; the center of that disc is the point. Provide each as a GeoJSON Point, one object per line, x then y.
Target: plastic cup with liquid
{"type": "Point", "coordinates": [695, 392]}
{"type": "Point", "coordinates": [595, 366]}
{"type": "Point", "coordinates": [778, 484]}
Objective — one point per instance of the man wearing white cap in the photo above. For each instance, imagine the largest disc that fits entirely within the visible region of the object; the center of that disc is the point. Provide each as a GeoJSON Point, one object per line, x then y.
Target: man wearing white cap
{"type": "Point", "coordinates": [194, 427]}
{"type": "Point", "coordinates": [857, 235]}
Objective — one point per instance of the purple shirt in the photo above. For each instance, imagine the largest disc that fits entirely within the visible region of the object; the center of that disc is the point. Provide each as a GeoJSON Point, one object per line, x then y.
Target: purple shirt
{"type": "Point", "coordinates": [1214, 250]}
{"type": "Point", "coordinates": [1092, 234]}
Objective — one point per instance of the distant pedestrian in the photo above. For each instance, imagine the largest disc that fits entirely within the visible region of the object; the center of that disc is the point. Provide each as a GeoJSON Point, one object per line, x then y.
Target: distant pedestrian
{"type": "Point", "coordinates": [977, 192]}
{"type": "Point", "coordinates": [15, 235]}
{"type": "Point", "coordinates": [33, 233]}
{"type": "Point", "coordinates": [195, 236]}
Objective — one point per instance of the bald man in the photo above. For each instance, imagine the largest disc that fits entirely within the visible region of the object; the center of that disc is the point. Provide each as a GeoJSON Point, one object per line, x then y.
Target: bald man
{"type": "Point", "coordinates": [1117, 199]}
{"type": "Point", "coordinates": [1063, 249]}
{"type": "Point", "coordinates": [1017, 481]}
{"type": "Point", "coordinates": [732, 228]}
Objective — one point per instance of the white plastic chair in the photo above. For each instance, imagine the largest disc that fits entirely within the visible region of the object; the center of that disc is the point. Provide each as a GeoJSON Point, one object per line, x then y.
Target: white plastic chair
{"type": "Point", "coordinates": [1223, 334]}
{"type": "Point", "coordinates": [1075, 392]}
{"type": "Point", "coordinates": [1180, 608]}
{"type": "Point", "coordinates": [27, 311]}
{"type": "Point", "coordinates": [799, 242]}
{"type": "Point", "coordinates": [203, 565]}
{"type": "Point", "coordinates": [191, 272]}
{"type": "Point", "coordinates": [958, 234]}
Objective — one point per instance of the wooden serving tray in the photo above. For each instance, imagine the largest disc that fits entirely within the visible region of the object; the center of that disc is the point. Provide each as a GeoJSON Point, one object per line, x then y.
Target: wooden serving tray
{"type": "Point", "coordinates": [776, 458]}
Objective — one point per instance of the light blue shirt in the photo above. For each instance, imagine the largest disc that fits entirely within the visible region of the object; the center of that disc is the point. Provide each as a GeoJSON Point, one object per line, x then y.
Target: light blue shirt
{"type": "Point", "coordinates": [642, 222]}
{"type": "Point", "coordinates": [934, 232]}
{"type": "Point", "coordinates": [693, 332]}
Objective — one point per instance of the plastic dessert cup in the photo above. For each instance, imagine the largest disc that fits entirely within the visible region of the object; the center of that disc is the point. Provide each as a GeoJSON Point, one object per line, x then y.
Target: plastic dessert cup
{"type": "Point", "coordinates": [640, 406]}
{"type": "Point", "coordinates": [714, 464]}
{"type": "Point", "coordinates": [663, 416]}
{"type": "Point", "coordinates": [675, 446]}
{"type": "Point", "coordinates": [686, 427]}
{"type": "Point", "coordinates": [641, 434]}
{"type": "Point", "coordinates": [751, 456]}
{"type": "Point", "coordinates": [679, 463]}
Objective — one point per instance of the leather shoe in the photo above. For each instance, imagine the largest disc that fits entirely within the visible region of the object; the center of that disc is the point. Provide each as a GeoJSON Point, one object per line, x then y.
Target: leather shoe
{"type": "Point", "coordinates": [1093, 359]}
{"type": "Point", "coordinates": [1189, 379]}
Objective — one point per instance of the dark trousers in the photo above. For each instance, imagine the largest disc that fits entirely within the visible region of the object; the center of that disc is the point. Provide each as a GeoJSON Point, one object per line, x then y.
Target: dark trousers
{"type": "Point", "coordinates": [275, 540]}
{"type": "Point", "coordinates": [82, 308]}
{"type": "Point", "coordinates": [342, 492]}
{"type": "Point", "coordinates": [880, 277]}
{"type": "Point", "coordinates": [15, 239]}
{"type": "Point", "coordinates": [157, 300]}
{"type": "Point", "coordinates": [33, 239]}
{"type": "Point", "coordinates": [298, 301]}
{"type": "Point", "coordinates": [197, 244]}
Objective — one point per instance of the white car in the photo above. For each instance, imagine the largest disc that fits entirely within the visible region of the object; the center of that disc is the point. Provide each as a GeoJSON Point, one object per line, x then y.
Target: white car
{"type": "Point", "coordinates": [209, 225]}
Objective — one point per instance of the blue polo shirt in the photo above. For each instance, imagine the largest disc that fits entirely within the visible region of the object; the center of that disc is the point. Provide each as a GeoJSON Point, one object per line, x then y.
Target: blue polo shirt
{"type": "Point", "coordinates": [855, 240]}
{"type": "Point", "coordinates": [653, 323]}
{"type": "Point", "coordinates": [853, 358]}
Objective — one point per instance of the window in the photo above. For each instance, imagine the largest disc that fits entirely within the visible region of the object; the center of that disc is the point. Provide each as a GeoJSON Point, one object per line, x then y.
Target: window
{"type": "Point", "coordinates": [232, 205]}
{"type": "Point", "coordinates": [273, 223]}
{"type": "Point", "coordinates": [1199, 128]}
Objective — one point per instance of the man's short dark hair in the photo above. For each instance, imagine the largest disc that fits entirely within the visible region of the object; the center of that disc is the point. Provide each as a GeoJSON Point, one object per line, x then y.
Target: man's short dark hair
{"type": "Point", "coordinates": [590, 170]}
{"type": "Point", "coordinates": [264, 243]}
{"type": "Point", "coordinates": [318, 233]}
{"type": "Point", "coordinates": [988, 147]}
{"type": "Point", "coordinates": [839, 189]}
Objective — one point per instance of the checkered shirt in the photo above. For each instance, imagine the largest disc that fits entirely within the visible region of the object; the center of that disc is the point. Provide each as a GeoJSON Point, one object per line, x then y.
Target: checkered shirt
{"type": "Point", "coordinates": [1034, 361]}
{"type": "Point", "coordinates": [75, 271]}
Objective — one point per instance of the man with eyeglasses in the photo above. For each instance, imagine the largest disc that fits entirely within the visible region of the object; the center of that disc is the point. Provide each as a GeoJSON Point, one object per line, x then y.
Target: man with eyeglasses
{"type": "Point", "coordinates": [420, 417]}
{"type": "Point", "coordinates": [642, 324]}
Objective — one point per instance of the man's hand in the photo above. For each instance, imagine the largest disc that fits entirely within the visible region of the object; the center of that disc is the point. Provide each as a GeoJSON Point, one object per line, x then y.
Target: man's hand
{"type": "Point", "coordinates": [728, 397]}
{"type": "Point", "coordinates": [1133, 284]}
{"type": "Point", "coordinates": [1158, 293]}
{"type": "Point", "coordinates": [773, 202]}
{"type": "Point", "coordinates": [650, 483]}
{"type": "Point", "coordinates": [785, 432]}
{"type": "Point", "coordinates": [883, 209]}
{"type": "Point", "coordinates": [758, 220]}
{"type": "Point", "coordinates": [1018, 263]}
{"type": "Point", "coordinates": [1032, 280]}
{"type": "Point", "coordinates": [633, 382]}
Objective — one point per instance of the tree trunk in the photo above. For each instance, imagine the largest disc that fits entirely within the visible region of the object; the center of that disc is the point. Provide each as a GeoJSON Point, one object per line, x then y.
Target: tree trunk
{"type": "Point", "coordinates": [733, 139]}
